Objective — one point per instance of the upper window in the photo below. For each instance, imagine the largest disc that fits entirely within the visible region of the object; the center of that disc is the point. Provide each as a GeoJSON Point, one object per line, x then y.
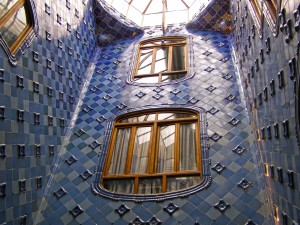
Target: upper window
{"type": "Point", "coordinates": [16, 25]}
{"type": "Point", "coordinates": [161, 60]}
{"type": "Point", "coordinates": [271, 10]}
{"type": "Point", "coordinates": [256, 11]}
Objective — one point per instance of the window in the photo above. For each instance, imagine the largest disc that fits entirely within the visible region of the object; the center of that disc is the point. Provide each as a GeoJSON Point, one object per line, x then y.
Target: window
{"type": "Point", "coordinates": [153, 152]}
{"type": "Point", "coordinates": [271, 10]}
{"type": "Point", "coordinates": [272, 6]}
{"type": "Point", "coordinates": [256, 11]}
{"type": "Point", "coordinates": [161, 60]}
{"type": "Point", "coordinates": [17, 23]}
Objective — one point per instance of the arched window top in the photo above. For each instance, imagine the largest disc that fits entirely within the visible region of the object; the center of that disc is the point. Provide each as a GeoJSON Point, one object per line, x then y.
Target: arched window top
{"type": "Point", "coordinates": [162, 60]}
{"type": "Point", "coordinates": [153, 154]}
{"type": "Point", "coordinates": [18, 26]}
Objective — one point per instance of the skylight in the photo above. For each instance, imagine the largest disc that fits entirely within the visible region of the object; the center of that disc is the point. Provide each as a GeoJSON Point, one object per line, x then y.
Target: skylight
{"type": "Point", "coordinates": [150, 12]}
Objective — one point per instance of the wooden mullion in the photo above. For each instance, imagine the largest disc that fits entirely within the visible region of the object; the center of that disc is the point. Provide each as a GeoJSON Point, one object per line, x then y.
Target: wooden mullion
{"type": "Point", "coordinates": [177, 147]}
{"type": "Point", "coordinates": [153, 149]}
{"type": "Point", "coordinates": [156, 135]}
{"type": "Point", "coordinates": [198, 146]}
{"type": "Point", "coordinates": [153, 60]}
{"type": "Point", "coordinates": [138, 63]}
{"type": "Point", "coordinates": [164, 184]}
{"type": "Point", "coordinates": [186, 53]}
{"type": "Point", "coordinates": [170, 58]}
{"type": "Point", "coordinates": [136, 185]}
{"type": "Point", "coordinates": [110, 151]}
{"type": "Point", "coordinates": [20, 39]}
{"type": "Point", "coordinates": [165, 45]}
{"type": "Point", "coordinates": [159, 77]}
{"type": "Point", "coordinates": [130, 150]}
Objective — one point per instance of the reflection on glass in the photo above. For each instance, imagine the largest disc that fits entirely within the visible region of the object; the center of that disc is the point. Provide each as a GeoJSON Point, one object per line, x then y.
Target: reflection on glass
{"type": "Point", "coordinates": [145, 61]}
{"type": "Point", "coordinates": [118, 161]}
{"type": "Point", "coordinates": [179, 183]}
{"type": "Point", "coordinates": [149, 186]}
{"type": "Point", "coordinates": [149, 80]}
{"type": "Point", "coordinates": [170, 116]}
{"type": "Point", "coordinates": [178, 58]}
{"type": "Point", "coordinates": [140, 151]}
{"type": "Point", "coordinates": [187, 147]}
{"type": "Point", "coordinates": [119, 186]}
{"type": "Point", "coordinates": [161, 61]}
{"type": "Point", "coordinates": [166, 149]}
{"type": "Point", "coordinates": [5, 5]}
{"type": "Point", "coordinates": [14, 27]}
{"type": "Point", "coordinates": [170, 77]}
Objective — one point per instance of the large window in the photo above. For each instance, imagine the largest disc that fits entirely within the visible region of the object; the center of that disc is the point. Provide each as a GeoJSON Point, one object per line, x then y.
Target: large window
{"type": "Point", "coordinates": [153, 152]}
{"type": "Point", "coordinates": [15, 22]}
{"type": "Point", "coordinates": [161, 60]}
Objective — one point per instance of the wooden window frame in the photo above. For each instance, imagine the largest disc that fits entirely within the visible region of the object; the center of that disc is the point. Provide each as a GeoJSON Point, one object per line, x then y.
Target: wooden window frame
{"type": "Point", "coordinates": [257, 14]}
{"type": "Point", "coordinates": [23, 42]}
{"type": "Point", "coordinates": [271, 10]}
{"type": "Point", "coordinates": [182, 41]}
{"type": "Point", "coordinates": [154, 151]}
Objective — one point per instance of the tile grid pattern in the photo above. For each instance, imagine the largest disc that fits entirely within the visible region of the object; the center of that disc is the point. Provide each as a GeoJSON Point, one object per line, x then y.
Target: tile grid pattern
{"type": "Point", "coordinates": [104, 99]}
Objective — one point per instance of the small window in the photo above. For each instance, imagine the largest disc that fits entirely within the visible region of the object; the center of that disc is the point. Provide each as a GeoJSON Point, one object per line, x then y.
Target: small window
{"type": "Point", "coordinates": [161, 60]}
{"type": "Point", "coordinates": [155, 154]}
{"type": "Point", "coordinates": [16, 26]}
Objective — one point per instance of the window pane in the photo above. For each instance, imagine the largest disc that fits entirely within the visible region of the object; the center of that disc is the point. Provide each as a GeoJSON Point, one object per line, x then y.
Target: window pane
{"type": "Point", "coordinates": [145, 62]}
{"type": "Point", "coordinates": [5, 5]}
{"type": "Point", "coordinates": [179, 183]}
{"type": "Point", "coordinates": [149, 80]}
{"type": "Point", "coordinates": [161, 61]}
{"type": "Point", "coordinates": [146, 117]}
{"type": "Point", "coordinates": [14, 27]}
{"type": "Point", "coordinates": [141, 150]}
{"type": "Point", "coordinates": [120, 185]}
{"type": "Point", "coordinates": [166, 149]}
{"type": "Point", "coordinates": [149, 186]}
{"type": "Point", "coordinates": [178, 56]}
{"type": "Point", "coordinates": [118, 161]}
{"type": "Point", "coordinates": [170, 77]}
{"type": "Point", "coordinates": [187, 147]}
{"type": "Point", "coordinates": [170, 116]}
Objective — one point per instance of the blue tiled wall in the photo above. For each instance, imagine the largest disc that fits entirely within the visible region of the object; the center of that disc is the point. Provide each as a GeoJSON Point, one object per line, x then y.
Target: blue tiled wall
{"type": "Point", "coordinates": [69, 198]}
{"type": "Point", "coordinates": [271, 102]}
{"type": "Point", "coordinates": [55, 96]}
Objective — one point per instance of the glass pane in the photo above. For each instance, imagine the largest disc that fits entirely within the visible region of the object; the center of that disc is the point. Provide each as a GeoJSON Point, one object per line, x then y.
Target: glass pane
{"type": "Point", "coordinates": [170, 77]}
{"type": "Point", "coordinates": [5, 5]}
{"type": "Point", "coordinates": [121, 6]}
{"type": "Point", "coordinates": [152, 20]}
{"type": "Point", "coordinates": [135, 16]}
{"type": "Point", "coordinates": [177, 16]}
{"type": "Point", "coordinates": [140, 5]}
{"type": "Point", "coordinates": [178, 58]}
{"type": "Point", "coordinates": [149, 80]}
{"type": "Point", "coordinates": [188, 147]}
{"type": "Point", "coordinates": [119, 186]}
{"type": "Point", "coordinates": [149, 186]}
{"type": "Point", "coordinates": [14, 27]}
{"type": "Point", "coordinates": [155, 7]}
{"type": "Point", "coordinates": [145, 61]}
{"type": "Point", "coordinates": [166, 149]}
{"type": "Point", "coordinates": [179, 183]}
{"type": "Point", "coordinates": [170, 116]}
{"type": "Point", "coordinates": [161, 61]}
{"type": "Point", "coordinates": [118, 161]}
{"type": "Point", "coordinates": [141, 150]}
{"type": "Point", "coordinates": [146, 117]}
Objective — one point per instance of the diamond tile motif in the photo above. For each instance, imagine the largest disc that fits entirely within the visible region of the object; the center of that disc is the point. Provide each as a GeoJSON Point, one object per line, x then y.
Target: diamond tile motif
{"type": "Point", "coordinates": [239, 150]}
{"type": "Point", "coordinates": [227, 76]}
{"type": "Point", "coordinates": [87, 109]}
{"type": "Point", "coordinates": [218, 167]}
{"type": "Point", "coordinates": [175, 91]}
{"type": "Point", "coordinates": [94, 144]}
{"type": "Point", "coordinates": [209, 69]}
{"type": "Point", "coordinates": [225, 59]}
{"type": "Point", "coordinates": [86, 174]}
{"type": "Point", "coordinates": [121, 106]}
{"type": "Point", "coordinates": [140, 94]}
{"type": "Point", "coordinates": [215, 137]}
{"type": "Point", "coordinates": [230, 97]}
{"type": "Point", "coordinates": [101, 119]}
{"type": "Point", "coordinates": [123, 209]}
{"type": "Point", "coordinates": [210, 88]}
{"type": "Point", "coordinates": [193, 100]}
{"type": "Point", "coordinates": [234, 121]}
{"type": "Point", "coordinates": [154, 221]}
{"type": "Point", "coordinates": [107, 97]}
{"type": "Point", "coordinates": [207, 53]}
{"type": "Point", "coordinates": [79, 133]}
{"type": "Point", "coordinates": [137, 221]}
{"type": "Point", "coordinates": [157, 96]}
{"type": "Point", "coordinates": [60, 192]}
{"type": "Point", "coordinates": [250, 222]}
{"type": "Point", "coordinates": [213, 111]}
{"type": "Point", "coordinates": [76, 211]}
{"type": "Point", "coordinates": [222, 206]}
{"type": "Point", "coordinates": [158, 89]}
{"type": "Point", "coordinates": [244, 184]}
{"type": "Point", "coordinates": [171, 208]}
{"type": "Point", "coordinates": [71, 160]}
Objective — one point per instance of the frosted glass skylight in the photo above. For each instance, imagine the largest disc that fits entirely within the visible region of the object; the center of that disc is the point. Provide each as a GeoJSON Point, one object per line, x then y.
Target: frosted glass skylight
{"type": "Point", "coordinates": [150, 12]}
